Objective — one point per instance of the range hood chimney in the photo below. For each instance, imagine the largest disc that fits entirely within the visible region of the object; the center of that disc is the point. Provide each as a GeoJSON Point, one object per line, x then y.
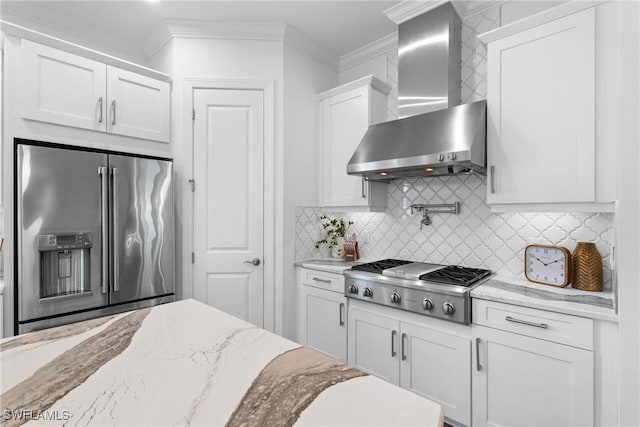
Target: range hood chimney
{"type": "Point", "coordinates": [429, 62]}
{"type": "Point", "coordinates": [435, 135]}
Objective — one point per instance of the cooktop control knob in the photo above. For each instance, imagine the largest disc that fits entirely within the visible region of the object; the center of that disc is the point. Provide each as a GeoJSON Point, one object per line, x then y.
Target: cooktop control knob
{"type": "Point", "coordinates": [395, 297]}
{"type": "Point", "coordinates": [441, 157]}
{"type": "Point", "coordinates": [448, 308]}
{"type": "Point", "coordinates": [427, 304]}
{"type": "Point", "coordinates": [353, 289]}
{"type": "Point", "coordinates": [367, 292]}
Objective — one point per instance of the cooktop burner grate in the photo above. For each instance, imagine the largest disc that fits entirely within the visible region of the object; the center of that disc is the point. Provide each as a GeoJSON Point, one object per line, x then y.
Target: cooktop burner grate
{"type": "Point", "coordinates": [456, 275]}
{"type": "Point", "coordinates": [378, 266]}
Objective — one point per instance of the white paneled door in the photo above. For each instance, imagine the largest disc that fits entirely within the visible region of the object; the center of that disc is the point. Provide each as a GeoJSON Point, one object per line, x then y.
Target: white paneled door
{"type": "Point", "coordinates": [228, 201]}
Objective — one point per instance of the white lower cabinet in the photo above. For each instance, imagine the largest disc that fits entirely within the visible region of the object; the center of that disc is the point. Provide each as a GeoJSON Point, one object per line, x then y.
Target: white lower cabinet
{"type": "Point", "coordinates": [322, 312]}
{"type": "Point", "coordinates": [417, 353]}
{"type": "Point", "coordinates": [534, 379]}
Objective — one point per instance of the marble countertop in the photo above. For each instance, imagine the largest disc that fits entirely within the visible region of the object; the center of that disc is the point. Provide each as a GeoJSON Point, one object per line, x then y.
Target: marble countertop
{"type": "Point", "coordinates": [186, 363]}
{"type": "Point", "coordinates": [595, 305]}
{"type": "Point", "coordinates": [328, 265]}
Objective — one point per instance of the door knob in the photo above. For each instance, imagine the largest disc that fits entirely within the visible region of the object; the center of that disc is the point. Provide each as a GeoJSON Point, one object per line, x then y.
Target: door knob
{"type": "Point", "coordinates": [255, 261]}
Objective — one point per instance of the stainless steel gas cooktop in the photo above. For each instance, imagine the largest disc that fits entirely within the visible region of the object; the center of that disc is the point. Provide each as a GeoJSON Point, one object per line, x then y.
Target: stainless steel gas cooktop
{"type": "Point", "coordinates": [430, 289]}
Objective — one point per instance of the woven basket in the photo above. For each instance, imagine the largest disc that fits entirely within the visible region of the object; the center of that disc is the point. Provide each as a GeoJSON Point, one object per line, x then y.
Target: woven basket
{"type": "Point", "coordinates": [587, 267]}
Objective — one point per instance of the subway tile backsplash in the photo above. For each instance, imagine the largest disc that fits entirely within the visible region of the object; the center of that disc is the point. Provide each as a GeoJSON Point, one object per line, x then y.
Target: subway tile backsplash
{"type": "Point", "coordinates": [474, 238]}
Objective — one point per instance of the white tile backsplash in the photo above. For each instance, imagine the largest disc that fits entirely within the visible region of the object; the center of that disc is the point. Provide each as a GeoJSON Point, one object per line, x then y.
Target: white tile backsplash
{"type": "Point", "coordinates": [476, 237]}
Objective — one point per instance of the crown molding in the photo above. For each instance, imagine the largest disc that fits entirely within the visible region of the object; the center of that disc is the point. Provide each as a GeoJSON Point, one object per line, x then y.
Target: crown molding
{"type": "Point", "coordinates": [303, 44]}
{"type": "Point", "coordinates": [406, 10]}
{"type": "Point", "coordinates": [368, 80]}
{"type": "Point", "coordinates": [16, 30]}
{"type": "Point", "coordinates": [156, 40]}
{"type": "Point", "coordinates": [538, 19]}
{"type": "Point", "coordinates": [476, 8]}
{"type": "Point", "coordinates": [227, 30]}
{"type": "Point", "coordinates": [368, 51]}
{"type": "Point", "coordinates": [196, 29]}
{"type": "Point", "coordinates": [95, 40]}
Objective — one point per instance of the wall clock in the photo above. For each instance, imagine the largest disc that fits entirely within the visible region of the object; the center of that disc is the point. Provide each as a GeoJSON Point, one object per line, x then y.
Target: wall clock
{"type": "Point", "coordinates": [547, 264]}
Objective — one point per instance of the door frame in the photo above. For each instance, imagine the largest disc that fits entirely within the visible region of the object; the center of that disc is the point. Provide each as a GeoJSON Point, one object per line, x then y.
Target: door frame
{"type": "Point", "coordinates": [269, 174]}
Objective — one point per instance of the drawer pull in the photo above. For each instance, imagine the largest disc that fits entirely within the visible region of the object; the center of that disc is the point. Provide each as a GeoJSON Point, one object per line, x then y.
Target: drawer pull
{"type": "Point", "coordinates": [317, 279]}
{"type": "Point", "coordinates": [525, 322]}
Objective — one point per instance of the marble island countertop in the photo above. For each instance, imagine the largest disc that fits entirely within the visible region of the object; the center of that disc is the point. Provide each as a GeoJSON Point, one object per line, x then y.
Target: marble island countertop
{"type": "Point", "coordinates": [510, 290]}
{"type": "Point", "coordinates": [186, 363]}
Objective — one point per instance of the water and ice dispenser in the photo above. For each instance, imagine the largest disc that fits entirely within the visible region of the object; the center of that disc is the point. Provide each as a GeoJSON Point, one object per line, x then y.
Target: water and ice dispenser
{"type": "Point", "coordinates": [65, 264]}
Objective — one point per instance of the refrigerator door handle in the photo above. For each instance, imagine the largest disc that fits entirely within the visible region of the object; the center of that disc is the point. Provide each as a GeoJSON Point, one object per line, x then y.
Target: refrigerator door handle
{"type": "Point", "coordinates": [104, 218]}
{"type": "Point", "coordinates": [114, 215]}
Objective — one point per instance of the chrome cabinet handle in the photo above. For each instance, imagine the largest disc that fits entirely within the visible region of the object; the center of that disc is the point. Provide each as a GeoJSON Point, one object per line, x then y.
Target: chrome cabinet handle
{"type": "Point", "coordinates": [341, 314]}
{"type": "Point", "coordinates": [115, 248]}
{"type": "Point", "coordinates": [478, 365]}
{"type": "Point", "coordinates": [364, 196]}
{"type": "Point", "coordinates": [100, 118]}
{"type": "Point", "coordinates": [402, 353]}
{"type": "Point", "coordinates": [525, 322]}
{"type": "Point", "coordinates": [113, 108]}
{"type": "Point", "coordinates": [255, 261]}
{"type": "Point", "coordinates": [393, 343]}
{"type": "Point", "coordinates": [492, 186]}
{"type": "Point", "coordinates": [317, 279]}
{"type": "Point", "coordinates": [104, 214]}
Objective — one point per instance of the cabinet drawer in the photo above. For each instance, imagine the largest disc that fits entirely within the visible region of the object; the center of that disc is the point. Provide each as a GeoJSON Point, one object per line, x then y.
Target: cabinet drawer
{"type": "Point", "coordinates": [557, 327]}
{"type": "Point", "coordinates": [332, 282]}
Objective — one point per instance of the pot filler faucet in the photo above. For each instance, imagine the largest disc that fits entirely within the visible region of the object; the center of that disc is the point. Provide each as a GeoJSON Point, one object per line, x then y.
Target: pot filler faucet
{"type": "Point", "coordinates": [434, 208]}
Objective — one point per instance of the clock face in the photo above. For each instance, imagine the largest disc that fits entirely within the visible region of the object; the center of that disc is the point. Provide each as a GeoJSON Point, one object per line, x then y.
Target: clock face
{"type": "Point", "coordinates": [548, 264]}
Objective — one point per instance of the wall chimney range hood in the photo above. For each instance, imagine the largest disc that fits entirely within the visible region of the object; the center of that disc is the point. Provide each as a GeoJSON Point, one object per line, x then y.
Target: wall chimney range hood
{"type": "Point", "coordinates": [435, 135]}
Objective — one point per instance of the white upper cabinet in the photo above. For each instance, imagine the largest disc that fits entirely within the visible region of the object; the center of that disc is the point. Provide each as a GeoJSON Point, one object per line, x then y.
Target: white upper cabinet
{"type": "Point", "coordinates": [63, 88]}
{"type": "Point", "coordinates": [138, 105]}
{"type": "Point", "coordinates": [67, 89]}
{"type": "Point", "coordinates": [345, 114]}
{"type": "Point", "coordinates": [547, 141]}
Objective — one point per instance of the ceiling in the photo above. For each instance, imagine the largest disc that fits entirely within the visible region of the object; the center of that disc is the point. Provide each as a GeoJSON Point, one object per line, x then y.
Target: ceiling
{"type": "Point", "coordinates": [123, 26]}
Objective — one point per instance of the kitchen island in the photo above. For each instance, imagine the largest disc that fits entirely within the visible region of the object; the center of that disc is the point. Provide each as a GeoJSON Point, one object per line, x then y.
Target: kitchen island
{"type": "Point", "coordinates": [186, 363]}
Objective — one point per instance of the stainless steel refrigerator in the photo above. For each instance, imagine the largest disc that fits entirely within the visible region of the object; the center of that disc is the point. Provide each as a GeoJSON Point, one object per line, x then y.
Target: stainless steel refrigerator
{"type": "Point", "coordinates": [95, 233]}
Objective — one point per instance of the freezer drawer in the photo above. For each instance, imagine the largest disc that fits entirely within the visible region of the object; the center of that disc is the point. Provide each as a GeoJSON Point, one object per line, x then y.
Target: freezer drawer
{"type": "Point", "coordinates": [142, 241]}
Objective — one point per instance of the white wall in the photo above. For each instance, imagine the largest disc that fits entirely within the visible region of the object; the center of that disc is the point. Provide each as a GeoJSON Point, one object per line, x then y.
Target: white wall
{"type": "Point", "coordinates": [304, 77]}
